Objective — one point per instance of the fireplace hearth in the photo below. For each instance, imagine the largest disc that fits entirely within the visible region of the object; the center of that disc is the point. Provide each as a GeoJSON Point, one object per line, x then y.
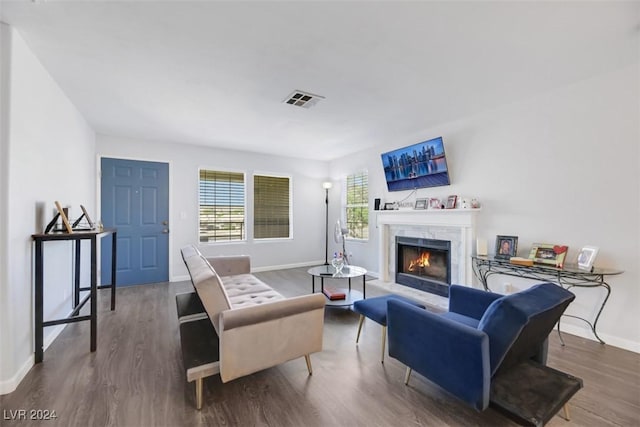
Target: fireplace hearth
{"type": "Point", "coordinates": [424, 264]}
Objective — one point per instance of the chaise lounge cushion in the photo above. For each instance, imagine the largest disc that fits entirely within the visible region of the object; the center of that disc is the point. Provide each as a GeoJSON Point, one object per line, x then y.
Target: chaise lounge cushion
{"type": "Point", "coordinates": [209, 287]}
{"type": "Point", "coordinates": [505, 319]}
{"type": "Point", "coordinates": [245, 290]}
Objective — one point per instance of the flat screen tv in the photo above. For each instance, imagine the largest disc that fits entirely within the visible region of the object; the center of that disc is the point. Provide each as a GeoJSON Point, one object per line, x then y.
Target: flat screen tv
{"type": "Point", "coordinates": [416, 166]}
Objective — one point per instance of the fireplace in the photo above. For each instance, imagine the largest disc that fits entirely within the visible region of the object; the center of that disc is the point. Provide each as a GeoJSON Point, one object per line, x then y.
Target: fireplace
{"type": "Point", "coordinates": [424, 264]}
{"type": "Point", "coordinates": [455, 225]}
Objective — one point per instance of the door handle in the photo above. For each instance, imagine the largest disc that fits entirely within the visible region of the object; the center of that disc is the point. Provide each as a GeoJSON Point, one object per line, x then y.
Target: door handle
{"type": "Point", "coordinates": [165, 231]}
{"type": "Point", "coordinates": [165, 222]}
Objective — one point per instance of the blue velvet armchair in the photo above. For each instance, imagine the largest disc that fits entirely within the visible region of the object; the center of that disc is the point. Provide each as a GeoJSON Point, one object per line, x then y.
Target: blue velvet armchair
{"type": "Point", "coordinates": [482, 334]}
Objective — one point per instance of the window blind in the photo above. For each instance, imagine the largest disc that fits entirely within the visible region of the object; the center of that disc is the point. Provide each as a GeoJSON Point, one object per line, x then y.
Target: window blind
{"type": "Point", "coordinates": [271, 207]}
{"type": "Point", "coordinates": [222, 210]}
{"type": "Point", "coordinates": [357, 206]}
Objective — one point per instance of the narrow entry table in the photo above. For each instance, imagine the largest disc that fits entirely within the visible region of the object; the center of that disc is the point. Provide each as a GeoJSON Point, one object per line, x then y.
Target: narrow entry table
{"type": "Point", "coordinates": [76, 237]}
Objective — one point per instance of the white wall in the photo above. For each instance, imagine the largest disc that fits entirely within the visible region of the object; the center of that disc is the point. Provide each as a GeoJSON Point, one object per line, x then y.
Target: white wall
{"type": "Point", "coordinates": [562, 167]}
{"type": "Point", "coordinates": [5, 56]}
{"type": "Point", "coordinates": [184, 162]}
{"type": "Point", "coordinates": [50, 156]}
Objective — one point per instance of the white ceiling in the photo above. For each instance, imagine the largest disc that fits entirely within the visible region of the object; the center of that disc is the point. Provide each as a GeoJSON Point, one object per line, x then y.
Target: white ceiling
{"type": "Point", "coordinates": [216, 73]}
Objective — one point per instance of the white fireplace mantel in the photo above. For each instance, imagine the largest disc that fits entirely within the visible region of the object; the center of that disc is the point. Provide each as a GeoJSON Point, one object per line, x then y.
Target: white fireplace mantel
{"type": "Point", "coordinates": [460, 221]}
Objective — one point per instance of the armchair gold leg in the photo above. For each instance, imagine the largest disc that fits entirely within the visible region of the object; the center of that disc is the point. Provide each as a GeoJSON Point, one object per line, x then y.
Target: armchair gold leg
{"type": "Point", "coordinates": [407, 375]}
{"type": "Point", "coordinates": [359, 327]}
{"type": "Point", "coordinates": [199, 393]}
{"type": "Point", "coordinates": [567, 415]}
{"type": "Point", "coordinates": [307, 359]}
{"type": "Point", "coordinates": [384, 340]}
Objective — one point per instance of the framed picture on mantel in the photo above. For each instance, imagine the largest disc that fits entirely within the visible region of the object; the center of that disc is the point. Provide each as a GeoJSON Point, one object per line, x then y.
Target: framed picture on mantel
{"type": "Point", "coordinates": [451, 202]}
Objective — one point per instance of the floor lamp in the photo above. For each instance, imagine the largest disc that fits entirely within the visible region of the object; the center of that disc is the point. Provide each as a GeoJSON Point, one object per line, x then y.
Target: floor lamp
{"type": "Point", "coordinates": [326, 185]}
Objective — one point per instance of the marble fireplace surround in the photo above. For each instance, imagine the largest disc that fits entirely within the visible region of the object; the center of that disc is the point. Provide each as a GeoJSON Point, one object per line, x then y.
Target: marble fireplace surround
{"type": "Point", "coordinates": [456, 225]}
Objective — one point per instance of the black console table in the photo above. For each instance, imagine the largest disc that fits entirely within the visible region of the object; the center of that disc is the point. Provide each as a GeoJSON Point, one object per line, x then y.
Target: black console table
{"type": "Point", "coordinates": [76, 237]}
{"type": "Point", "coordinates": [569, 276]}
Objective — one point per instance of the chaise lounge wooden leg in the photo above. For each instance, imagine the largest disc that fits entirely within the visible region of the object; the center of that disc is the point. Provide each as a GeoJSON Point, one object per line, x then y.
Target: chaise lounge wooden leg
{"type": "Point", "coordinates": [307, 359]}
{"type": "Point", "coordinates": [199, 393]}
{"type": "Point", "coordinates": [360, 327]}
{"type": "Point", "coordinates": [407, 375]}
{"type": "Point", "coordinates": [567, 415]}
{"type": "Point", "coordinates": [384, 340]}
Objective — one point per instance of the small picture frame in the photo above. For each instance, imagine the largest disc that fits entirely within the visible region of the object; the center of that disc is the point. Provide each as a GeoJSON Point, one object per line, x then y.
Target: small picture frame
{"type": "Point", "coordinates": [586, 257]}
{"type": "Point", "coordinates": [506, 247]}
{"type": "Point", "coordinates": [434, 203]}
{"type": "Point", "coordinates": [389, 206]}
{"type": "Point", "coordinates": [451, 202]}
{"type": "Point", "coordinates": [545, 253]}
{"type": "Point", "coordinates": [421, 204]}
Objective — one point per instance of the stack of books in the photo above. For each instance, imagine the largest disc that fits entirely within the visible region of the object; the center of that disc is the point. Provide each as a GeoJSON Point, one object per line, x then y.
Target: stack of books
{"type": "Point", "coordinates": [521, 261]}
{"type": "Point", "coordinates": [333, 293]}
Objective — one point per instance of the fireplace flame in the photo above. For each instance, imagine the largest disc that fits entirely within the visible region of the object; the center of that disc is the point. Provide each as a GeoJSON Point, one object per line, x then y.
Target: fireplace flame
{"type": "Point", "coordinates": [422, 261]}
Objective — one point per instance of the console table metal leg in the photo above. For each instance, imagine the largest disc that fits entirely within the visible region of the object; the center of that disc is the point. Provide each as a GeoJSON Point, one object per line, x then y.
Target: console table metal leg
{"type": "Point", "coordinates": [606, 298]}
{"type": "Point", "coordinates": [38, 303]}
{"type": "Point", "coordinates": [364, 288]}
{"type": "Point", "coordinates": [76, 280]}
{"type": "Point", "coordinates": [94, 293]}
{"type": "Point", "coordinates": [560, 334]}
{"type": "Point", "coordinates": [595, 322]}
{"type": "Point", "coordinates": [113, 270]}
{"type": "Point", "coordinates": [482, 273]}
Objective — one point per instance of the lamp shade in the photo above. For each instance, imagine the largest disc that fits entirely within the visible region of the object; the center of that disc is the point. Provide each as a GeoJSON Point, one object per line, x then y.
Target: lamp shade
{"type": "Point", "coordinates": [327, 185]}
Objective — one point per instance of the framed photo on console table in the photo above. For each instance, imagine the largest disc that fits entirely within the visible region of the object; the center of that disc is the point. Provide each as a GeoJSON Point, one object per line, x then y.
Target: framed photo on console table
{"type": "Point", "coordinates": [544, 253]}
{"type": "Point", "coordinates": [506, 247]}
{"type": "Point", "coordinates": [421, 204]}
{"type": "Point", "coordinates": [586, 257]}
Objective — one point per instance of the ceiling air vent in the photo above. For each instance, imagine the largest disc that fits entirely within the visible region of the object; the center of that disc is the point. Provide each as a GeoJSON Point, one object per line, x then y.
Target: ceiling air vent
{"type": "Point", "coordinates": [302, 99]}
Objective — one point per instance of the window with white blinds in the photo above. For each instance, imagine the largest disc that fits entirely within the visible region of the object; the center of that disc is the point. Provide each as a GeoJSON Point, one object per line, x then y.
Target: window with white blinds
{"type": "Point", "coordinates": [271, 207]}
{"type": "Point", "coordinates": [357, 205]}
{"type": "Point", "coordinates": [222, 211]}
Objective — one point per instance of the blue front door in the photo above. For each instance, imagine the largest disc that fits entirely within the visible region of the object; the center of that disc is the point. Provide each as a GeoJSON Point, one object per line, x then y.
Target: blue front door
{"type": "Point", "coordinates": [135, 200]}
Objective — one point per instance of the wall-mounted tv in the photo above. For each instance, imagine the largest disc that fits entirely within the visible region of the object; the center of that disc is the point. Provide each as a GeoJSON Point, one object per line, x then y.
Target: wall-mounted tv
{"type": "Point", "coordinates": [416, 166]}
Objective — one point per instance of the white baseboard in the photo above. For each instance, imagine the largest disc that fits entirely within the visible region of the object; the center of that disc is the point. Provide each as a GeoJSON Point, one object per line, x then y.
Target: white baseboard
{"type": "Point", "coordinates": [585, 332]}
{"type": "Point", "coordinates": [286, 266]}
{"type": "Point", "coordinates": [180, 278]}
{"type": "Point", "coordinates": [51, 336]}
{"type": "Point", "coordinates": [8, 386]}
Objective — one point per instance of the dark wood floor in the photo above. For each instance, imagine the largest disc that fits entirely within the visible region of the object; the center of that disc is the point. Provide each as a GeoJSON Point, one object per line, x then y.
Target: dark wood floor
{"type": "Point", "coordinates": [136, 378]}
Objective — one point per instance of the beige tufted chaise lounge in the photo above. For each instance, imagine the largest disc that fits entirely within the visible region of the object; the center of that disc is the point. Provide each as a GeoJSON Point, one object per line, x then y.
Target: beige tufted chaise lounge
{"type": "Point", "coordinates": [257, 327]}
